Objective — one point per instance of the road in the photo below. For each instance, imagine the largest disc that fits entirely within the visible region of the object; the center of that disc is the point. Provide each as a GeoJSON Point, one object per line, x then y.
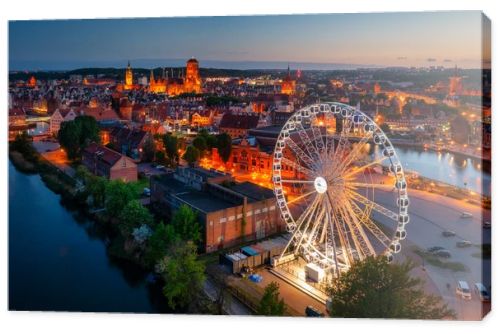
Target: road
{"type": "Point", "coordinates": [430, 215]}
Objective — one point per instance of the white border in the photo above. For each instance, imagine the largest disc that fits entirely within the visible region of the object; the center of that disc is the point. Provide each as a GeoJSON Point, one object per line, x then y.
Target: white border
{"type": "Point", "coordinates": [36, 322]}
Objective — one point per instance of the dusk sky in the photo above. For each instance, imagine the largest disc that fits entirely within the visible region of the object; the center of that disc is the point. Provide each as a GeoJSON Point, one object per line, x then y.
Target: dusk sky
{"type": "Point", "coordinates": [397, 39]}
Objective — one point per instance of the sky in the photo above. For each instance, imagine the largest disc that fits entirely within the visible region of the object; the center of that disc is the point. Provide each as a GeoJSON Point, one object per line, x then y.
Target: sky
{"type": "Point", "coordinates": [336, 40]}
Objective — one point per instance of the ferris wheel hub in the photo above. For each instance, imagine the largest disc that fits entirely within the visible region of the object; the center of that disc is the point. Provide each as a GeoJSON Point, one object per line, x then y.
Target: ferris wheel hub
{"type": "Point", "coordinates": [320, 185]}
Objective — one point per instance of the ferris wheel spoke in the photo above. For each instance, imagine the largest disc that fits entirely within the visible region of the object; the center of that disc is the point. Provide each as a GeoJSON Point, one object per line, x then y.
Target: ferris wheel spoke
{"type": "Point", "coordinates": [301, 155]}
{"type": "Point", "coordinates": [354, 185]}
{"type": "Point", "coordinates": [344, 237]}
{"type": "Point", "coordinates": [298, 167]}
{"type": "Point", "coordinates": [353, 234]}
{"type": "Point", "coordinates": [334, 243]}
{"type": "Point", "coordinates": [358, 231]}
{"type": "Point", "coordinates": [298, 233]}
{"type": "Point", "coordinates": [296, 199]}
{"type": "Point", "coordinates": [308, 143]}
{"type": "Point", "coordinates": [370, 225]}
{"type": "Point", "coordinates": [304, 227]}
{"type": "Point", "coordinates": [296, 181]}
{"type": "Point", "coordinates": [377, 207]}
{"type": "Point", "coordinates": [342, 231]}
{"type": "Point", "coordinates": [353, 154]}
{"type": "Point", "coordinates": [356, 170]}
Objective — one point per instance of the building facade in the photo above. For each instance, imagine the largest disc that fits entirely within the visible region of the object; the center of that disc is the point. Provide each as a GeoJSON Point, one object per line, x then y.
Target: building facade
{"type": "Point", "coordinates": [105, 162]}
{"type": "Point", "coordinates": [229, 212]}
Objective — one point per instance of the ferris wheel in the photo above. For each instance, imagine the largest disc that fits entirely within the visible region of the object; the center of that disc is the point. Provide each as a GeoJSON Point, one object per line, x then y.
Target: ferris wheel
{"type": "Point", "coordinates": [327, 180]}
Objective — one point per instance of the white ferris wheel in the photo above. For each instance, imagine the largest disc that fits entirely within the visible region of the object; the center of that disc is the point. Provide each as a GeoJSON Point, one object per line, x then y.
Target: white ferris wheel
{"type": "Point", "coordinates": [326, 187]}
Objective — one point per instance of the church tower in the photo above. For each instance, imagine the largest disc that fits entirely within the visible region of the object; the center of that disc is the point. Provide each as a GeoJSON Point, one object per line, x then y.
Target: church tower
{"type": "Point", "coordinates": [129, 78]}
{"type": "Point", "coordinates": [192, 81]}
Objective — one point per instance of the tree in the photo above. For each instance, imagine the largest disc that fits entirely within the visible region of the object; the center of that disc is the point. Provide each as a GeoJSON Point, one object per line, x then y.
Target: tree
{"type": "Point", "coordinates": [186, 225]}
{"type": "Point", "coordinates": [200, 143]}
{"type": "Point", "coordinates": [375, 288]}
{"type": "Point", "coordinates": [224, 146]}
{"type": "Point", "coordinates": [134, 215]}
{"type": "Point", "coordinates": [77, 134]}
{"type": "Point", "coordinates": [96, 186]}
{"type": "Point", "coordinates": [69, 138]}
{"type": "Point", "coordinates": [23, 143]}
{"type": "Point", "coordinates": [271, 304]}
{"type": "Point", "coordinates": [118, 194]}
{"type": "Point", "coordinates": [89, 130]}
{"type": "Point", "coordinates": [210, 140]}
{"type": "Point", "coordinates": [192, 155]}
{"type": "Point", "coordinates": [148, 149]}
{"type": "Point", "coordinates": [183, 275]}
{"type": "Point", "coordinates": [160, 157]}
{"type": "Point", "coordinates": [171, 144]}
{"type": "Point", "coordinates": [159, 243]}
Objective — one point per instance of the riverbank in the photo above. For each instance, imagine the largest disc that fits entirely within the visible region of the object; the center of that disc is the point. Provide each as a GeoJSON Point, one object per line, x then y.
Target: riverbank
{"type": "Point", "coordinates": [98, 226]}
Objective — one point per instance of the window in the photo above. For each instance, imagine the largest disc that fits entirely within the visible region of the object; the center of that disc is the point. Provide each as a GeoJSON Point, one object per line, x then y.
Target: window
{"type": "Point", "coordinates": [272, 208]}
{"type": "Point", "coordinates": [249, 213]}
{"type": "Point", "coordinates": [222, 220]}
{"type": "Point", "coordinates": [239, 215]}
{"type": "Point", "coordinates": [264, 210]}
{"type": "Point", "coordinates": [257, 211]}
{"type": "Point", "coordinates": [231, 218]}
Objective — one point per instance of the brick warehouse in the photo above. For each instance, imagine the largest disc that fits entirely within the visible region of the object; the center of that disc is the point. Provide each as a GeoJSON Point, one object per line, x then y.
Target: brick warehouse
{"type": "Point", "coordinates": [230, 212]}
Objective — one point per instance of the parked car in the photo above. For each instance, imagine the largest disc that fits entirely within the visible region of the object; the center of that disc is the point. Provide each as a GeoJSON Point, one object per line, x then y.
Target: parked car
{"type": "Point", "coordinates": [466, 215]}
{"type": "Point", "coordinates": [481, 292]}
{"type": "Point", "coordinates": [313, 312]}
{"type": "Point", "coordinates": [463, 290]}
{"type": "Point", "coordinates": [448, 233]}
{"type": "Point", "coordinates": [486, 224]}
{"type": "Point", "coordinates": [464, 243]}
{"type": "Point", "coordinates": [434, 249]}
{"type": "Point", "coordinates": [160, 167]}
{"type": "Point", "coordinates": [147, 192]}
{"type": "Point", "coordinates": [442, 253]}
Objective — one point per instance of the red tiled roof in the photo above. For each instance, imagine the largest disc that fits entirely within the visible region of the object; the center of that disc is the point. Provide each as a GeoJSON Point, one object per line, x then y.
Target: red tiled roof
{"type": "Point", "coordinates": [239, 121]}
{"type": "Point", "coordinates": [108, 156]}
{"type": "Point", "coordinates": [101, 114]}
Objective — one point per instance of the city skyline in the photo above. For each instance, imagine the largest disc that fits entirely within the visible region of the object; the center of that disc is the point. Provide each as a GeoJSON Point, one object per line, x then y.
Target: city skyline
{"type": "Point", "coordinates": [251, 42]}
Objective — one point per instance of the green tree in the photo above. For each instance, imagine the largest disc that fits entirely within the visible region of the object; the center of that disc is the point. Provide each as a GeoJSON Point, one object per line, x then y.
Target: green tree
{"type": "Point", "coordinates": [186, 225]}
{"type": "Point", "coordinates": [192, 155]}
{"type": "Point", "coordinates": [133, 215]}
{"type": "Point", "coordinates": [159, 243]}
{"type": "Point", "coordinates": [210, 140]}
{"type": "Point", "coordinates": [160, 158]}
{"type": "Point", "coordinates": [148, 149]}
{"type": "Point", "coordinates": [183, 275]}
{"type": "Point", "coordinates": [375, 288]}
{"type": "Point", "coordinates": [118, 194]}
{"type": "Point", "coordinates": [69, 138]}
{"type": "Point", "coordinates": [96, 186]}
{"type": "Point", "coordinates": [271, 304]}
{"type": "Point", "coordinates": [171, 144]}
{"type": "Point", "coordinates": [77, 134]}
{"type": "Point", "coordinates": [89, 130]}
{"type": "Point", "coordinates": [224, 146]}
{"type": "Point", "coordinates": [23, 143]}
{"type": "Point", "coordinates": [200, 143]}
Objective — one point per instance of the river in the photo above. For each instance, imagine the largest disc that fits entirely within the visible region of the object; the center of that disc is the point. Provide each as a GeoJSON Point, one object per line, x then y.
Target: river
{"type": "Point", "coordinates": [58, 259]}
{"type": "Point", "coordinates": [450, 168]}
